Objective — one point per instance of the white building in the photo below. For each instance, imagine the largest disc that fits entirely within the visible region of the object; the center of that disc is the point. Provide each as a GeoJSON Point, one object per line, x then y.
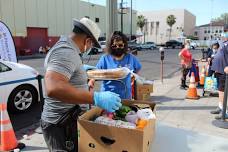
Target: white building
{"type": "Point", "coordinates": [157, 30]}
{"type": "Point", "coordinates": [209, 31]}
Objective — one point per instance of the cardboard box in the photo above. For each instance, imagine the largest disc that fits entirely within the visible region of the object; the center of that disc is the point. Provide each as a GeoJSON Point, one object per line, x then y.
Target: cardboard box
{"type": "Point", "coordinates": [143, 91]}
{"type": "Point", "coordinates": [102, 138]}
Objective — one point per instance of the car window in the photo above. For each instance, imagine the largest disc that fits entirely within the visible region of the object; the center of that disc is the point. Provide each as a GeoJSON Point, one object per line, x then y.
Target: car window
{"type": "Point", "coordinates": [149, 42]}
{"type": "Point", "coordinates": [4, 68]}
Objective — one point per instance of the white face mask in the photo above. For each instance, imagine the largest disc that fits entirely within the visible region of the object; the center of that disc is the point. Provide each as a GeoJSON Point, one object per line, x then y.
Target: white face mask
{"type": "Point", "coordinates": [86, 51]}
{"type": "Point", "coordinates": [215, 50]}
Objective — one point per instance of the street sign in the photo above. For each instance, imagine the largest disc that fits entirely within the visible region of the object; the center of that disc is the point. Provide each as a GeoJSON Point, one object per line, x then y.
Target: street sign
{"type": "Point", "coordinates": [7, 47]}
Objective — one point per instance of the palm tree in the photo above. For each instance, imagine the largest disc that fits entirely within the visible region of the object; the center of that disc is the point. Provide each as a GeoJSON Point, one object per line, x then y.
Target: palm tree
{"type": "Point", "coordinates": [141, 21]}
{"type": "Point", "coordinates": [170, 20]}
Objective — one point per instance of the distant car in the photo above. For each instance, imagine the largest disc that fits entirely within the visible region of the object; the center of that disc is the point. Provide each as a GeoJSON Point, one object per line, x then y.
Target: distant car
{"type": "Point", "coordinates": [134, 46]}
{"type": "Point", "coordinates": [173, 44]}
{"type": "Point", "coordinates": [18, 86]}
{"type": "Point", "coordinates": [148, 45]}
{"type": "Point", "coordinates": [103, 46]}
{"type": "Point", "coordinates": [193, 45]}
{"type": "Point", "coordinates": [93, 51]}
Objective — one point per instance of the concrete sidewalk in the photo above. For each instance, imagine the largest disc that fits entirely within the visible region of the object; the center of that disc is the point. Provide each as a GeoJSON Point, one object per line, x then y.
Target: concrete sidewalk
{"type": "Point", "coordinates": [182, 125]}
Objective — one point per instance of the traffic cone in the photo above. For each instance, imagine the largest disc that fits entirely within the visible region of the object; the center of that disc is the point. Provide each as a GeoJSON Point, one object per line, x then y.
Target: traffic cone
{"type": "Point", "coordinates": [192, 91]}
{"type": "Point", "coordinates": [8, 139]}
{"type": "Point", "coordinates": [202, 76]}
{"type": "Point", "coordinates": [197, 77]}
{"type": "Point", "coordinates": [207, 69]}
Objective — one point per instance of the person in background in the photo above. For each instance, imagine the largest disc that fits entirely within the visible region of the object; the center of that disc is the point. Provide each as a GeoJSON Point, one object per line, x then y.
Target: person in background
{"type": "Point", "coordinates": [219, 63]}
{"type": "Point", "coordinates": [210, 57]}
{"type": "Point", "coordinates": [186, 63]}
{"type": "Point", "coordinates": [117, 57]}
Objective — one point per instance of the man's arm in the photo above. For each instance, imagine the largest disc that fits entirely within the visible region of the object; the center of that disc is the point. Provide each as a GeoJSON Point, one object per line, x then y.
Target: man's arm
{"type": "Point", "coordinates": [58, 87]}
{"type": "Point", "coordinates": [226, 70]}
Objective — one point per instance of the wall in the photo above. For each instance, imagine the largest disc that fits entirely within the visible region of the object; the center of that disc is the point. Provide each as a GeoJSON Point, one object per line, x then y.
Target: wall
{"type": "Point", "coordinates": [202, 35]}
{"type": "Point", "coordinates": [56, 15]}
{"type": "Point", "coordinates": [189, 23]}
{"type": "Point", "coordinates": [163, 29]}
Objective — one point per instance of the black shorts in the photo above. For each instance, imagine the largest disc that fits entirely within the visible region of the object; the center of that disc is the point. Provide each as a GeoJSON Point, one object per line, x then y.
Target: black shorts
{"type": "Point", "coordinates": [221, 81]}
{"type": "Point", "coordinates": [56, 137]}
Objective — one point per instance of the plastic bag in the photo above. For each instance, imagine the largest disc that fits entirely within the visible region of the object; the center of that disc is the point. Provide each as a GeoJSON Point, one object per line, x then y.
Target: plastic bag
{"type": "Point", "coordinates": [108, 74]}
{"type": "Point", "coordinates": [211, 84]}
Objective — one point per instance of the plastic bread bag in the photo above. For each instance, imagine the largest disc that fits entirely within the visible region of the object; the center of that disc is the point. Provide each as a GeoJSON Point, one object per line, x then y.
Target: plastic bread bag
{"type": "Point", "coordinates": [108, 74]}
{"type": "Point", "coordinates": [141, 80]}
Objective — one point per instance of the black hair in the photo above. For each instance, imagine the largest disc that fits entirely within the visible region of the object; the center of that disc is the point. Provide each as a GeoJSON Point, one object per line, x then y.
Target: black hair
{"type": "Point", "coordinates": [216, 44]}
{"type": "Point", "coordinates": [119, 36]}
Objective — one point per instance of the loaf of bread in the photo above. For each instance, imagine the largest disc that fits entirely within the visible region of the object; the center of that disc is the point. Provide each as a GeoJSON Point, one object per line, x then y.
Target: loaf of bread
{"type": "Point", "coordinates": [107, 74]}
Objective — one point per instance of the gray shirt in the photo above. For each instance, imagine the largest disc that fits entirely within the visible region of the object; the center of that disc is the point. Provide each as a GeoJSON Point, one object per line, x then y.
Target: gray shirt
{"type": "Point", "coordinates": [63, 58]}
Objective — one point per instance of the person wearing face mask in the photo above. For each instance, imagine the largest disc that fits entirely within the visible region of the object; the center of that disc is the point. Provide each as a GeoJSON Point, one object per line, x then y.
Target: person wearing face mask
{"type": "Point", "coordinates": [219, 63]}
{"type": "Point", "coordinates": [66, 87]}
{"type": "Point", "coordinates": [210, 57]}
{"type": "Point", "coordinates": [117, 57]}
{"type": "Point", "coordinates": [186, 63]}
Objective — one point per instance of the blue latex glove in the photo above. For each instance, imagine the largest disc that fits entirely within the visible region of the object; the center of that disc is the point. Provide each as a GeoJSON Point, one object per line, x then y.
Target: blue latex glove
{"type": "Point", "coordinates": [88, 67]}
{"type": "Point", "coordinates": [107, 100]}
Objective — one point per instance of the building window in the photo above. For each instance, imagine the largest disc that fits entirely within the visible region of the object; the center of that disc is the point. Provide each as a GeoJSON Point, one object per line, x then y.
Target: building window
{"type": "Point", "coordinates": [220, 31]}
{"type": "Point", "coordinates": [208, 31]}
{"type": "Point", "coordinates": [97, 20]}
{"type": "Point", "coordinates": [146, 27]}
{"type": "Point", "coordinates": [205, 38]}
{"type": "Point", "coordinates": [151, 28]}
{"type": "Point", "coordinates": [216, 31]}
{"type": "Point", "coordinates": [87, 17]}
{"type": "Point", "coordinates": [196, 33]}
{"type": "Point", "coordinates": [205, 31]}
{"type": "Point", "coordinates": [157, 28]}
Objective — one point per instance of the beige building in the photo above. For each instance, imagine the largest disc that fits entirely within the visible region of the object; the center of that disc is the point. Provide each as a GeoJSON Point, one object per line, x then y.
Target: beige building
{"type": "Point", "coordinates": [211, 31]}
{"type": "Point", "coordinates": [157, 30]}
{"type": "Point", "coordinates": [36, 23]}
{"type": "Point", "coordinates": [56, 15]}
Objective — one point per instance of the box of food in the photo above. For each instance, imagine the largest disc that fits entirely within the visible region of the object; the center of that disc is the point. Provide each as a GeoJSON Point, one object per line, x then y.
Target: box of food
{"type": "Point", "coordinates": [143, 91]}
{"type": "Point", "coordinates": [95, 137]}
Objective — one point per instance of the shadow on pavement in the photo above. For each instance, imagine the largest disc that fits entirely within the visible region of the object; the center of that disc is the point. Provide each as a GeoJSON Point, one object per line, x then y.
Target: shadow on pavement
{"type": "Point", "coordinates": [33, 148]}
{"type": "Point", "coordinates": [186, 108]}
{"type": "Point", "coordinates": [23, 120]}
{"type": "Point", "coordinates": [161, 99]}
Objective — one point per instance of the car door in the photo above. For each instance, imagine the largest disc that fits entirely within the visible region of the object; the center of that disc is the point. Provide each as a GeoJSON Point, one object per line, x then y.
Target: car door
{"type": "Point", "coordinates": [4, 70]}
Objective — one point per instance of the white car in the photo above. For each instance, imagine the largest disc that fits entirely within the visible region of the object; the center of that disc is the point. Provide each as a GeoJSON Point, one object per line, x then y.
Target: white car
{"type": "Point", "coordinates": [103, 45]}
{"type": "Point", "coordinates": [18, 86]}
{"type": "Point", "coordinates": [193, 45]}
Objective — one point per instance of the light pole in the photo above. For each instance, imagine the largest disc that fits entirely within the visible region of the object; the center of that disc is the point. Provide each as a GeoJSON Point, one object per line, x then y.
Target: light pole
{"type": "Point", "coordinates": [131, 21]}
{"type": "Point", "coordinates": [111, 17]}
{"type": "Point", "coordinates": [211, 19]}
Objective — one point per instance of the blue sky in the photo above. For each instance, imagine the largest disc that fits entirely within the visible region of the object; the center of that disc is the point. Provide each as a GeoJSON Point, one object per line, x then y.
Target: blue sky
{"type": "Point", "coordinates": [202, 9]}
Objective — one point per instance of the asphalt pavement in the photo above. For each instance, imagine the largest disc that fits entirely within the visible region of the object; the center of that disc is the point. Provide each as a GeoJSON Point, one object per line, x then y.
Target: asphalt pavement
{"type": "Point", "coordinates": [150, 60]}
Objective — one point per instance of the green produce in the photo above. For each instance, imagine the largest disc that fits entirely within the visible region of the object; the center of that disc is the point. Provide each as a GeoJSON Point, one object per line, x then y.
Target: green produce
{"type": "Point", "coordinates": [122, 112]}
